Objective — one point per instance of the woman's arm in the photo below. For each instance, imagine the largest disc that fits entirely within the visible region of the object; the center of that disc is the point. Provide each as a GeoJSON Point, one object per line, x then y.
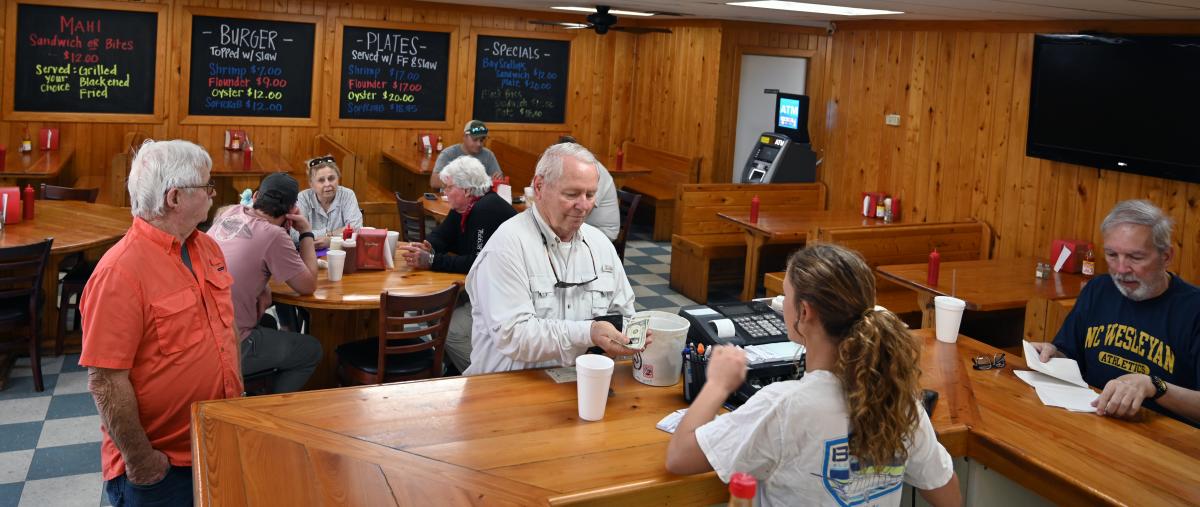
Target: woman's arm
{"type": "Point", "coordinates": [726, 372]}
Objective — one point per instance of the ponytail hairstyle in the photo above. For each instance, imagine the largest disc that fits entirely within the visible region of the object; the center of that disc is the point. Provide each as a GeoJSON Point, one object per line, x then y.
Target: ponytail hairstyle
{"type": "Point", "coordinates": [877, 358]}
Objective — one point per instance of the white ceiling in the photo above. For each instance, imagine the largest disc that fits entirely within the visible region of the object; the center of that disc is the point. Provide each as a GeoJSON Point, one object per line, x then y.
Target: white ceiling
{"type": "Point", "coordinates": [961, 10]}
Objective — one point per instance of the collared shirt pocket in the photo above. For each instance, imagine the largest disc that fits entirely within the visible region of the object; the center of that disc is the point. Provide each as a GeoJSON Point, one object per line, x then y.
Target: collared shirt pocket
{"type": "Point", "coordinates": [176, 321]}
{"type": "Point", "coordinates": [541, 290]}
{"type": "Point", "coordinates": [601, 290]}
{"type": "Point", "coordinates": [220, 284]}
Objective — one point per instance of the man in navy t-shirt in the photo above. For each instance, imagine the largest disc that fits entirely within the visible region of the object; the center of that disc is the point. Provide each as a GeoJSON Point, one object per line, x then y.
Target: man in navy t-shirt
{"type": "Point", "coordinates": [1136, 333]}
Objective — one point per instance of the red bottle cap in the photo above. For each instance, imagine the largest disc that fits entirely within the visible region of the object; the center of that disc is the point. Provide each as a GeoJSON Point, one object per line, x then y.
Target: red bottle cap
{"type": "Point", "coordinates": [742, 485]}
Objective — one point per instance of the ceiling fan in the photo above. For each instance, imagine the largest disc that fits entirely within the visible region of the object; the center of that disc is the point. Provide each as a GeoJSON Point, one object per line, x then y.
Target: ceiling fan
{"type": "Point", "coordinates": [601, 21]}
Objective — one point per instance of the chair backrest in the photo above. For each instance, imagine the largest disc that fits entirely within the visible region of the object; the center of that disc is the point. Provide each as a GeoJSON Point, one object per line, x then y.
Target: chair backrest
{"type": "Point", "coordinates": [56, 193]}
{"type": "Point", "coordinates": [910, 244]}
{"type": "Point", "coordinates": [627, 202]}
{"type": "Point", "coordinates": [412, 219]}
{"type": "Point", "coordinates": [21, 269]}
{"type": "Point", "coordinates": [403, 318]}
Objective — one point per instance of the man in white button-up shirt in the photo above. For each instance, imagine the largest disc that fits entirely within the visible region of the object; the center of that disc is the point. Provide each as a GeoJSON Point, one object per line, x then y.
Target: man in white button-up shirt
{"type": "Point", "coordinates": [545, 274]}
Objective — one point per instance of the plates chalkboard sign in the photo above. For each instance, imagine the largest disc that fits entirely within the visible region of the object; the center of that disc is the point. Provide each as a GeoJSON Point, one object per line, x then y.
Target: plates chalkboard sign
{"type": "Point", "coordinates": [393, 74]}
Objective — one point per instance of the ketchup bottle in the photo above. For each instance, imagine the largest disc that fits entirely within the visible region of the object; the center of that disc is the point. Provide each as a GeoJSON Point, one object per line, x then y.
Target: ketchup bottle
{"type": "Point", "coordinates": [754, 209]}
{"type": "Point", "coordinates": [620, 158]}
{"type": "Point", "coordinates": [27, 211]}
{"type": "Point", "coordinates": [347, 232]}
{"type": "Point", "coordinates": [742, 488]}
{"type": "Point", "coordinates": [935, 264]}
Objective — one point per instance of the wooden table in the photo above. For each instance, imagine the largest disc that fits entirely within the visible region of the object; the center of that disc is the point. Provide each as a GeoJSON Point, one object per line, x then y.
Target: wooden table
{"type": "Point", "coordinates": [231, 165]}
{"type": "Point", "coordinates": [76, 226]}
{"type": "Point", "coordinates": [413, 179]}
{"type": "Point", "coordinates": [42, 165]}
{"type": "Point", "coordinates": [622, 175]}
{"type": "Point", "coordinates": [438, 210]}
{"type": "Point", "coordinates": [786, 227]}
{"type": "Point", "coordinates": [515, 439]}
{"type": "Point", "coordinates": [985, 285]}
{"type": "Point", "coordinates": [348, 309]}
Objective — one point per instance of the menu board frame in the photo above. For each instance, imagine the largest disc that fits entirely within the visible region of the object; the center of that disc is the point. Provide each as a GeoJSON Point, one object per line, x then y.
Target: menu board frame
{"type": "Point", "coordinates": [160, 65]}
{"type": "Point", "coordinates": [185, 69]}
{"type": "Point", "coordinates": [332, 94]}
{"type": "Point", "coordinates": [572, 78]}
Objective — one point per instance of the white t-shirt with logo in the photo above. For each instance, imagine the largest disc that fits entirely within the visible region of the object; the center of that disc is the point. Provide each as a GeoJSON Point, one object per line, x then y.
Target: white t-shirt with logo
{"type": "Point", "coordinates": [792, 437]}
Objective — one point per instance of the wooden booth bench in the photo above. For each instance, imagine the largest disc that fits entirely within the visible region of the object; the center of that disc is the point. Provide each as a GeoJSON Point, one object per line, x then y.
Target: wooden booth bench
{"type": "Point", "coordinates": [667, 171]}
{"type": "Point", "coordinates": [517, 163]}
{"type": "Point", "coordinates": [902, 244]}
{"type": "Point", "coordinates": [702, 237]}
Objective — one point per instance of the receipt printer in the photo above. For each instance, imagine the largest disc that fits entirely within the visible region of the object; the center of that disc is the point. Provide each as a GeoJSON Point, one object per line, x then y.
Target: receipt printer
{"type": "Point", "coordinates": [743, 324]}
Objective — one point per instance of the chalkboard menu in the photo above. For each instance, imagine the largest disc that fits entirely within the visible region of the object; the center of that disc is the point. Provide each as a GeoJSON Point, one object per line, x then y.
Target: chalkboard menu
{"type": "Point", "coordinates": [521, 80]}
{"type": "Point", "coordinates": [84, 60]}
{"type": "Point", "coordinates": [251, 67]}
{"type": "Point", "coordinates": [390, 74]}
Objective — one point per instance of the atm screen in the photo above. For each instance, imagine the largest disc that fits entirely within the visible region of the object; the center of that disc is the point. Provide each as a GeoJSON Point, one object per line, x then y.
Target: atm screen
{"type": "Point", "coordinates": [789, 113]}
{"type": "Point", "coordinates": [767, 153]}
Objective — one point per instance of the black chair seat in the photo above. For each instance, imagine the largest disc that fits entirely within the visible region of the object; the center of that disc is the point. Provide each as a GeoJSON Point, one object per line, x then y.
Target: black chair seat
{"type": "Point", "coordinates": [364, 355]}
{"type": "Point", "coordinates": [16, 309]}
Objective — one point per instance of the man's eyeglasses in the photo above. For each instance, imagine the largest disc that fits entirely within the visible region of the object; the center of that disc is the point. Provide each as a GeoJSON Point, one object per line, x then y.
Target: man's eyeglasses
{"type": "Point", "coordinates": [558, 283]}
{"type": "Point", "coordinates": [987, 362]}
{"type": "Point", "coordinates": [211, 187]}
{"type": "Point", "coordinates": [328, 159]}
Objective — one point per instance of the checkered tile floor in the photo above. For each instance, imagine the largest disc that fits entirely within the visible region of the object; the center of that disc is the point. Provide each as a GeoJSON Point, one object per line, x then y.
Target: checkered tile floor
{"type": "Point", "coordinates": [50, 441]}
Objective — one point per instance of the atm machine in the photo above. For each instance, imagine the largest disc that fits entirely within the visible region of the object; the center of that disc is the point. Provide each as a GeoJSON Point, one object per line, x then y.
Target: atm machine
{"type": "Point", "coordinates": [785, 155]}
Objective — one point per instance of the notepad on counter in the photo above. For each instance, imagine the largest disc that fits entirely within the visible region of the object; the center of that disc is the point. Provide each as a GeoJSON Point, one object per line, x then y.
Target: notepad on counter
{"type": "Point", "coordinates": [773, 352]}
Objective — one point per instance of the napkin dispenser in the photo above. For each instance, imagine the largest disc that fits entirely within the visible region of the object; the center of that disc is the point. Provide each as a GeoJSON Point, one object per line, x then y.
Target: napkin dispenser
{"type": "Point", "coordinates": [12, 213]}
{"type": "Point", "coordinates": [372, 247]}
{"type": "Point", "coordinates": [48, 139]}
{"type": "Point", "coordinates": [1066, 255]}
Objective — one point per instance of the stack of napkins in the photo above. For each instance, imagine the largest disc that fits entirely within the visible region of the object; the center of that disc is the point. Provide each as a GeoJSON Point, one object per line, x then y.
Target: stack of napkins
{"type": "Point", "coordinates": [1057, 382]}
{"type": "Point", "coordinates": [772, 352]}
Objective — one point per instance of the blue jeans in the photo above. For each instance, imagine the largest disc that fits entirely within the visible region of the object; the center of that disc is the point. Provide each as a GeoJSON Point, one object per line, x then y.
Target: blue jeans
{"type": "Point", "coordinates": [174, 489]}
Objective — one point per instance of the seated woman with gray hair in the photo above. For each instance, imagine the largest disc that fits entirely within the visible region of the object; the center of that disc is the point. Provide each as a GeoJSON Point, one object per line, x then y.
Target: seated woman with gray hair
{"type": "Point", "coordinates": [475, 213]}
{"type": "Point", "coordinates": [327, 205]}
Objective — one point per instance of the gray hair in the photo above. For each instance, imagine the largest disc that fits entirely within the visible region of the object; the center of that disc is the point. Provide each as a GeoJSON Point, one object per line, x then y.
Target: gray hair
{"type": "Point", "coordinates": [467, 172]}
{"type": "Point", "coordinates": [550, 166]}
{"type": "Point", "coordinates": [1141, 212]}
{"type": "Point", "coordinates": [160, 166]}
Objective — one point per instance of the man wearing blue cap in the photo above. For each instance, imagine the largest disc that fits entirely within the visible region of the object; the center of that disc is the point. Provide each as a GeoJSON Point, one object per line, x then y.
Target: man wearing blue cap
{"type": "Point", "coordinates": [474, 136]}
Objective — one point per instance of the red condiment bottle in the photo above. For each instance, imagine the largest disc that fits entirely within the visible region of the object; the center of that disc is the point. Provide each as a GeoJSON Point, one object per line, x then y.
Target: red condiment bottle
{"type": "Point", "coordinates": [620, 158]}
{"type": "Point", "coordinates": [935, 265]}
{"type": "Point", "coordinates": [27, 200]}
{"type": "Point", "coordinates": [742, 488]}
{"type": "Point", "coordinates": [754, 209]}
{"type": "Point", "coordinates": [347, 232]}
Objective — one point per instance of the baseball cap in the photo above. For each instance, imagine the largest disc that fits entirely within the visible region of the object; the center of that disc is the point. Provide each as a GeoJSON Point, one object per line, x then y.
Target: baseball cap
{"type": "Point", "coordinates": [279, 187]}
{"type": "Point", "coordinates": [475, 128]}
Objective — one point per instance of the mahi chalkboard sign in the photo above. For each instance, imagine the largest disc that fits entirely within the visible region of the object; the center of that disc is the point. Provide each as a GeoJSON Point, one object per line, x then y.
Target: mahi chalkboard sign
{"type": "Point", "coordinates": [251, 67]}
{"type": "Point", "coordinates": [84, 60]}
{"type": "Point", "coordinates": [519, 80]}
{"type": "Point", "coordinates": [393, 74]}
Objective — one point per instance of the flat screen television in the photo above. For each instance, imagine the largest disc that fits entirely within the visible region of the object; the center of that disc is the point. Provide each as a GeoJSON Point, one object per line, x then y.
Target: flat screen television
{"type": "Point", "coordinates": [791, 116]}
{"type": "Point", "coordinates": [1121, 102]}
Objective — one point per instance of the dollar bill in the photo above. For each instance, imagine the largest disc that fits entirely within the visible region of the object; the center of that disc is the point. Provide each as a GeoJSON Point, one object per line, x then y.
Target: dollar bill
{"type": "Point", "coordinates": [636, 331]}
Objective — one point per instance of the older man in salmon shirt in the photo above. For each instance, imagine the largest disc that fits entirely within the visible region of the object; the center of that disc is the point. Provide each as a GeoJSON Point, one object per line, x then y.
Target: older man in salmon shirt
{"type": "Point", "coordinates": [158, 329]}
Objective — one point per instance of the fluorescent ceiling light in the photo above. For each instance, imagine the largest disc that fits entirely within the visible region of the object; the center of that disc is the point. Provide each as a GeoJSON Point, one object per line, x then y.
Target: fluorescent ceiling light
{"type": "Point", "coordinates": [590, 10]}
{"type": "Point", "coordinates": [816, 8]}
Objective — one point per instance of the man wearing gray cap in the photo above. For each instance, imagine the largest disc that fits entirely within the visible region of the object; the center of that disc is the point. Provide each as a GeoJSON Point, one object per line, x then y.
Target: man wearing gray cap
{"type": "Point", "coordinates": [474, 136]}
{"type": "Point", "coordinates": [257, 247]}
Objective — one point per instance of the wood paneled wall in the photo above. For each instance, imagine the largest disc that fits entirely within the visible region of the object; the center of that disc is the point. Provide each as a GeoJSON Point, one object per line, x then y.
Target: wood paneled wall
{"type": "Point", "coordinates": [601, 80]}
{"type": "Point", "coordinates": [962, 92]}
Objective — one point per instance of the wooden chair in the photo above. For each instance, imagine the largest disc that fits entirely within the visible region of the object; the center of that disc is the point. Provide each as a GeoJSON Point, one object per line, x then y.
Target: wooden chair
{"type": "Point", "coordinates": [75, 267]}
{"type": "Point", "coordinates": [627, 202]}
{"type": "Point", "coordinates": [412, 219]}
{"type": "Point", "coordinates": [21, 271]}
{"type": "Point", "coordinates": [399, 352]}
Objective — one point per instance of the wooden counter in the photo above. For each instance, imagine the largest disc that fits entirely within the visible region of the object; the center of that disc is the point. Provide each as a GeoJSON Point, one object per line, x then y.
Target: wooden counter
{"type": "Point", "coordinates": [515, 439]}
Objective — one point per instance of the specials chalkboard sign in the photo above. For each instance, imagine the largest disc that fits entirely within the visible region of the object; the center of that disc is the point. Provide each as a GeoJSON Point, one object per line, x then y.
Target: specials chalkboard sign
{"type": "Point", "coordinates": [519, 80]}
{"type": "Point", "coordinates": [251, 67]}
{"type": "Point", "coordinates": [393, 74]}
{"type": "Point", "coordinates": [84, 60]}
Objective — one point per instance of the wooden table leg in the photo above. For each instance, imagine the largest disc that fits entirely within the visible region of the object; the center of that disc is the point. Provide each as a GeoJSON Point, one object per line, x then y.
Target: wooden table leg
{"type": "Point", "coordinates": [754, 244]}
{"type": "Point", "coordinates": [333, 328]}
{"type": "Point", "coordinates": [49, 326]}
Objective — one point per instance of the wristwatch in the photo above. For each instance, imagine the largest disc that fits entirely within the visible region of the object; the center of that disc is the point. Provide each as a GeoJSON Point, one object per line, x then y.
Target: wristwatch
{"type": "Point", "coordinates": [1160, 386]}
